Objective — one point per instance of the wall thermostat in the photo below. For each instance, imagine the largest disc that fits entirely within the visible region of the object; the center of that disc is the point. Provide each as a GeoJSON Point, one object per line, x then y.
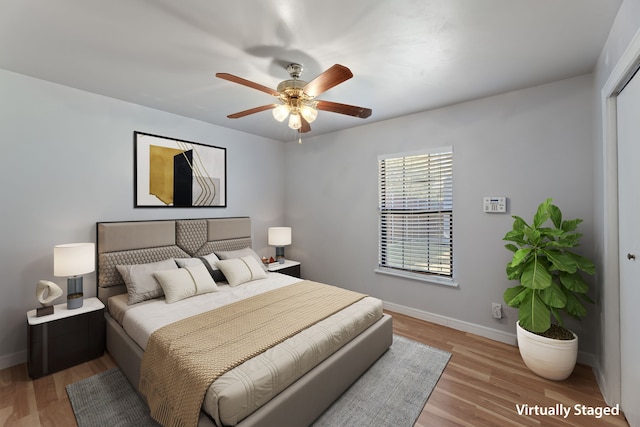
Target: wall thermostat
{"type": "Point", "coordinates": [494, 204]}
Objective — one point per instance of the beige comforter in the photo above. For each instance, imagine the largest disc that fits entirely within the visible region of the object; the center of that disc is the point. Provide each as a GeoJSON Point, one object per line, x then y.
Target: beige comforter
{"type": "Point", "coordinates": [183, 359]}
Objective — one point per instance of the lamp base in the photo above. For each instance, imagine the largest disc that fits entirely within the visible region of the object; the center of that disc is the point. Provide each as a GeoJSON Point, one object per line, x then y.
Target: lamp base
{"type": "Point", "coordinates": [280, 254]}
{"type": "Point", "coordinates": [74, 292]}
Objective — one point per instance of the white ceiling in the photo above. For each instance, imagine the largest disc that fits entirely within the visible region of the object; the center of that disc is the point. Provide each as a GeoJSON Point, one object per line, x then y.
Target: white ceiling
{"type": "Point", "coordinates": [406, 55]}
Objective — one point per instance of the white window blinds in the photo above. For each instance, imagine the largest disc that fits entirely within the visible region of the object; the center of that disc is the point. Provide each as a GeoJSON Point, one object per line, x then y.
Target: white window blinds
{"type": "Point", "coordinates": [416, 212]}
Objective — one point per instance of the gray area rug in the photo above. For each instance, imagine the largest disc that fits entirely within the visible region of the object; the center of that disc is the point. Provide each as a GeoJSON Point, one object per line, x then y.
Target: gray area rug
{"type": "Point", "coordinates": [107, 399]}
{"type": "Point", "coordinates": [391, 393]}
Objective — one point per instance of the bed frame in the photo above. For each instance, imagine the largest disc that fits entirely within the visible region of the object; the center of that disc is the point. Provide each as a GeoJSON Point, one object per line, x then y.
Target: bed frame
{"type": "Point", "coordinates": [136, 242]}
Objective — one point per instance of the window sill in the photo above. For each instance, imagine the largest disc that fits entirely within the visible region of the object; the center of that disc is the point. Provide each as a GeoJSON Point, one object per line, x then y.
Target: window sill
{"type": "Point", "coordinates": [416, 276]}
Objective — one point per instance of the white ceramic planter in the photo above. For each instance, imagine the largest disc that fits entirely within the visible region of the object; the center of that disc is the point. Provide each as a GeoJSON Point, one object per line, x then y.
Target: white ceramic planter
{"type": "Point", "coordinates": [549, 358]}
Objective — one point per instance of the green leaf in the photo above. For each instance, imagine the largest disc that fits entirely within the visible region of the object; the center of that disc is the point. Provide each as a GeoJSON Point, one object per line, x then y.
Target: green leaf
{"type": "Point", "coordinates": [571, 224]}
{"type": "Point", "coordinates": [556, 215]}
{"type": "Point", "coordinates": [514, 296]}
{"type": "Point", "coordinates": [560, 261]}
{"type": "Point", "coordinates": [553, 296]}
{"type": "Point", "coordinates": [511, 247]}
{"type": "Point", "coordinates": [583, 263]}
{"type": "Point", "coordinates": [553, 244]}
{"type": "Point", "coordinates": [516, 236]}
{"type": "Point", "coordinates": [514, 273]}
{"type": "Point", "coordinates": [569, 240]}
{"type": "Point", "coordinates": [574, 307]}
{"type": "Point", "coordinates": [535, 275]}
{"type": "Point", "coordinates": [519, 223]}
{"type": "Point", "coordinates": [542, 215]}
{"type": "Point", "coordinates": [533, 314]}
{"type": "Point", "coordinates": [586, 298]}
{"type": "Point", "coordinates": [574, 283]}
{"type": "Point", "coordinates": [551, 232]}
{"type": "Point", "coordinates": [556, 315]}
{"type": "Point", "coordinates": [532, 235]}
{"type": "Point", "coordinates": [520, 256]}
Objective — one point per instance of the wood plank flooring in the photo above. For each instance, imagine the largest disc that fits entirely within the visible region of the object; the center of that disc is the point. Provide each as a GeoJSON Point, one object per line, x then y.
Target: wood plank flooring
{"type": "Point", "coordinates": [485, 380]}
{"type": "Point", "coordinates": [43, 402]}
{"type": "Point", "coordinates": [481, 386]}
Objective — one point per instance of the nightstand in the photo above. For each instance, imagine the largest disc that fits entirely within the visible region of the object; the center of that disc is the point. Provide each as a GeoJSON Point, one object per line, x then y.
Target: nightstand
{"type": "Point", "coordinates": [65, 338]}
{"type": "Point", "coordinates": [290, 268]}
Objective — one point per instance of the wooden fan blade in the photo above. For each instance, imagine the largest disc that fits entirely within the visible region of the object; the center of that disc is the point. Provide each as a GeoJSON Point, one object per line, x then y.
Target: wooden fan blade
{"type": "Point", "coordinates": [350, 110]}
{"type": "Point", "coordinates": [306, 127]}
{"type": "Point", "coordinates": [328, 79]}
{"type": "Point", "coordinates": [248, 83]}
{"type": "Point", "coordinates": [252, 111]}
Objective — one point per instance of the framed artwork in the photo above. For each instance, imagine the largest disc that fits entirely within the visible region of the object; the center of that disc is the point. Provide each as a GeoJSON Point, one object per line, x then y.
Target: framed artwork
{"type": "Point", "coordinates": [170, 172]}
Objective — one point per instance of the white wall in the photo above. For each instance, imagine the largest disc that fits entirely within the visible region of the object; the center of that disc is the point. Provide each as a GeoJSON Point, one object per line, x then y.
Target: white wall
{"type": "Point", "coordinates": [526, 145]}
{"type": "Point", "coordinates": [616, 56]}
{"type": "Point", "coordinates": [67, 163]}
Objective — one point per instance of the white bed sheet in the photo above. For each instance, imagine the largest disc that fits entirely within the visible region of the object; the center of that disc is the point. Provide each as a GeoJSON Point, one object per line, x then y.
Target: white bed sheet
{"type": "Point", "coordinates": [242, 390]}
{"type": "Point", "coordinates": [141, 320]}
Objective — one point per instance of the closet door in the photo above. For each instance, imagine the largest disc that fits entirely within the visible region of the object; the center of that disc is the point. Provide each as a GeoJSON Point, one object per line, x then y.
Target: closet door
{"type": "Point", "coordinates": [628, 111]}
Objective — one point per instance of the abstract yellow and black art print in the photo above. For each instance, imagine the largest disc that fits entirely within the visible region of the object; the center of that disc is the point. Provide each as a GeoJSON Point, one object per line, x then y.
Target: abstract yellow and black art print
{"type": "Point", "coordinates": [171, 172]}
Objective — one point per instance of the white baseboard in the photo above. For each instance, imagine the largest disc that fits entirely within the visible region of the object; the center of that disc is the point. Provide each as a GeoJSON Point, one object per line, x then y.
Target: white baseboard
{"type": "Point", "coordinates": [10, 360]}
{"type": "Point", "coordinates": [483, 331]}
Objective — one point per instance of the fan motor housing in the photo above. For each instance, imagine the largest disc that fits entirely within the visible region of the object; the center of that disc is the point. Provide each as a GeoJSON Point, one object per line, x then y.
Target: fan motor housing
{"type": "Point", "coordinates": [292, 86]}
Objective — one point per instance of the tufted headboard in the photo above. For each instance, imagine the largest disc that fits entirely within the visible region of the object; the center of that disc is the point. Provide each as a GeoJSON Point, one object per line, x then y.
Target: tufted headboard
{"type": "Point", "coordinates": [140, 242]}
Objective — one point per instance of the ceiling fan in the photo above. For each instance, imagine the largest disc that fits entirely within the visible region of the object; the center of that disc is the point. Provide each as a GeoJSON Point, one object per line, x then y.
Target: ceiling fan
{"type": "Point", "coordinates": [297, 97]}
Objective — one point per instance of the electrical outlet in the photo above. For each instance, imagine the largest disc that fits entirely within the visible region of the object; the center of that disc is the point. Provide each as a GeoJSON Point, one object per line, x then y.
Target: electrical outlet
{"type": "Point", "coordinates": [496, 310]}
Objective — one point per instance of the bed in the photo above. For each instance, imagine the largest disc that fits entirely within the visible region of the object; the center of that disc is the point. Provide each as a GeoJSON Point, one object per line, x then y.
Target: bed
{"type": "Point", "coordinates": [296, 401]}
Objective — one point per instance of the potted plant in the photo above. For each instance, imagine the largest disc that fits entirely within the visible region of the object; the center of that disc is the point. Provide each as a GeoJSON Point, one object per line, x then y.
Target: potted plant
{"type": "Point", "coordinates": [551, 283]}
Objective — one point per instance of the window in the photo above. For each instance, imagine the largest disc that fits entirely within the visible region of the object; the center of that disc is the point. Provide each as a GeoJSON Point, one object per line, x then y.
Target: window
{"type": "Point", "coordinates": [416, 214]}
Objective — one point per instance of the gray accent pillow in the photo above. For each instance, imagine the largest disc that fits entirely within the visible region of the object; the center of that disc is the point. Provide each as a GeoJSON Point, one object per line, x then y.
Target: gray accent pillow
{"type": "Point", "coordinates": [141, 285]}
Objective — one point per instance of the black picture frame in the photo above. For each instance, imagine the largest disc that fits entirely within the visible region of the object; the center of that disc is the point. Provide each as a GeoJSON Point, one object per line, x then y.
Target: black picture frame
{"type": "Point", "coordinates": [174, 173]}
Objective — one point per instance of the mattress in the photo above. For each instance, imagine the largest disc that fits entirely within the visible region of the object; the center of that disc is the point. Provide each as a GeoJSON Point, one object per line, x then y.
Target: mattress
{"type": "Point", "coordinates": [245, 388]}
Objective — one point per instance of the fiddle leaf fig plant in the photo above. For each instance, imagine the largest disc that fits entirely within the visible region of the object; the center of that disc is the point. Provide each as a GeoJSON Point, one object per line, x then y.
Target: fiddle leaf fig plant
{"type": "Point", "coordinates": [549, 272]}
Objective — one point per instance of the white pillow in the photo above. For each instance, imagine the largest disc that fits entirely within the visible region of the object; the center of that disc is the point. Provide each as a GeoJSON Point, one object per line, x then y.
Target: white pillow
{"type": "Point", "coordinates": [141, 285]}
{"type": "Point", "coordinates": [186, 282]}
{"type": "Point", "coordinates": [239, 254]}
{"type": "Point", "coordinates": [241, 270]}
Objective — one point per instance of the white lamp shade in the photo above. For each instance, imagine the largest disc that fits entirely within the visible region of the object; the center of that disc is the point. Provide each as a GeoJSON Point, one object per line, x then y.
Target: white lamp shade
{"type": "Point", "coordinates": [73, 259]}
{"type": "Point", "coordinates": [280, 112]}
{"type": "Point", "coordinates": [294, 121]}
{"type": "Point", "coordinates": [309, 113]}
{"type": "Point", "coordinates": [279, 236]}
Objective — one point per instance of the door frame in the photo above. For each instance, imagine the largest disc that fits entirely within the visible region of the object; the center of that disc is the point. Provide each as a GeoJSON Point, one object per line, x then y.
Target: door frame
{"type": "Point", "coordinates": [609, 375]}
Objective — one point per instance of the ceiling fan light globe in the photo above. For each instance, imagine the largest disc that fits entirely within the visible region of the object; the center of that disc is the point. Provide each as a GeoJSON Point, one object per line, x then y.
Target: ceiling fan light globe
{"type": "Point", "coordinates": [309, 113]}
{"type": "Point", "coordinates": [295, 122]}
{"type": "Point", "coordinates": [280, 112]}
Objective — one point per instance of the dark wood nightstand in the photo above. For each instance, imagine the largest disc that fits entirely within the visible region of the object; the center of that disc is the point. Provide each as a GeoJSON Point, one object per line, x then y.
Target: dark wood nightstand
{"type": "Point", "coordinates": [290, 268]}
{"type": "Point", "coordinates": [65, 338]}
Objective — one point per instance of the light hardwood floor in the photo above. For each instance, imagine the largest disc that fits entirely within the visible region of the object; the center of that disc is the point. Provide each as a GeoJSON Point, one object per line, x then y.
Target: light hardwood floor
{"type": "Point", "coordinates": [481, 386]}
{"type": "Point", "coordinates": [485, 380]}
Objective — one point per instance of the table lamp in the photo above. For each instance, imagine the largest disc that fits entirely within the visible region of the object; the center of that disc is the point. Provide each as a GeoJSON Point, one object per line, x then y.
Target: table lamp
{"type": "Point", "coordinates": [72, 260]}
{"type": "Point", "coordinates": [279, 237]}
